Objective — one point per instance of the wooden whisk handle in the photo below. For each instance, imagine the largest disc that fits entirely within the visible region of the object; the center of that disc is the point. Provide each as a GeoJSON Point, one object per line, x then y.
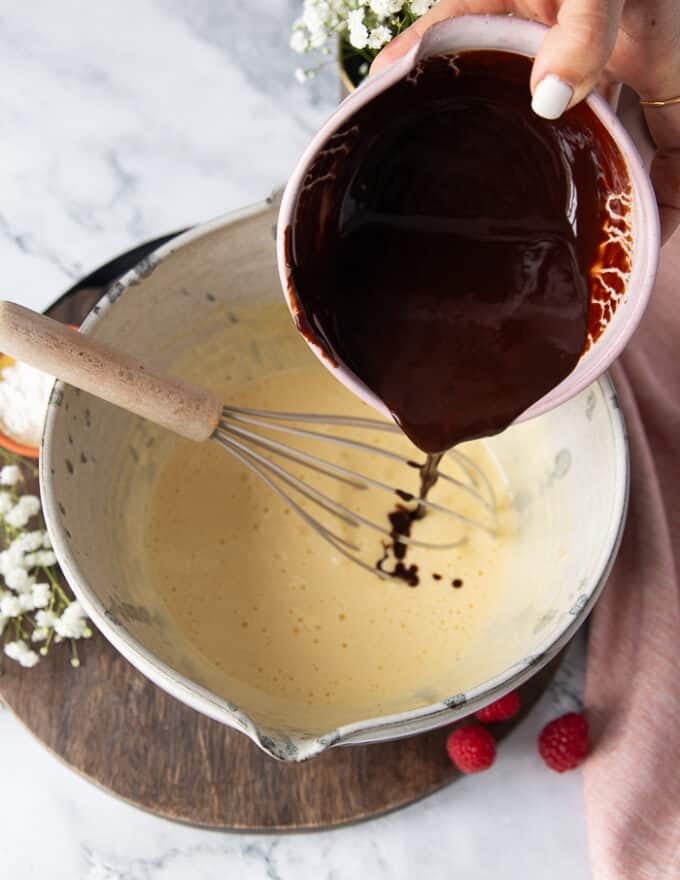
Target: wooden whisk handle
{"type": "Point", "coordinates": [107, 373]}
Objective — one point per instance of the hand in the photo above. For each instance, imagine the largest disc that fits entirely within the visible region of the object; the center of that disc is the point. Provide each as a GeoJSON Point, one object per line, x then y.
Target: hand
{"type": "Point", "coordinates": [594, 43]}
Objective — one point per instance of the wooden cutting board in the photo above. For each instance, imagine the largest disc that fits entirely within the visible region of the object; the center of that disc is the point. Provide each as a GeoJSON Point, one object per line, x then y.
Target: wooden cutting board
{"type": "Point", "coordinates": [113, 726]}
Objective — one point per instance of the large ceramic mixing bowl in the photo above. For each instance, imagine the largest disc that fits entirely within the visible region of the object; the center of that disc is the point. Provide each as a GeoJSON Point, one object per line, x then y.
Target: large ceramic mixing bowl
{"type": "Point", "coordinates": [568, 471]}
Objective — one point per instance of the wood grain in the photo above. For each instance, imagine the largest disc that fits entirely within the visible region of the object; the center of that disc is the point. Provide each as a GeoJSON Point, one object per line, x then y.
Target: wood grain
{"type": "Point", "coordinates": [109, 723]}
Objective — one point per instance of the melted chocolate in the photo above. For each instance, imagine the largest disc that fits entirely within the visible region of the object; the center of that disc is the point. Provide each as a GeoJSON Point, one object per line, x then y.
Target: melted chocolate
{"type": "Point", "coordinates": [429, 474]}
{"type": "Point", "coordinates": [401, 520]}
{"type": "Point", "coordinates": [446, 245]}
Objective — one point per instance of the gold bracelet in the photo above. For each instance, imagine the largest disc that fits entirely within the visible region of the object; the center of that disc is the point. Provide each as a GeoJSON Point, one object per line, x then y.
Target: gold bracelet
{"type": "Point", "coordinates": [665, 103]}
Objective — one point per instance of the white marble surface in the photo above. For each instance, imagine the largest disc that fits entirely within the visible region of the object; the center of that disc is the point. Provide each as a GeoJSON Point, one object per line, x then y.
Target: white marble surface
{"type": "Point", "coordinates": [120, 122]}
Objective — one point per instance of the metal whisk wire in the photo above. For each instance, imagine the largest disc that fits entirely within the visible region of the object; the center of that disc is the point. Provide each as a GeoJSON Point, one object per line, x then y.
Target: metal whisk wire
{"type": "Point", "coordinates": [240, 432]}
{"type": "Point", "coordinates": [272, 420]}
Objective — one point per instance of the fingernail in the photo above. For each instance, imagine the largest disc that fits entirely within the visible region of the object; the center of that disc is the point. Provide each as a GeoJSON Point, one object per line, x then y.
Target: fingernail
{"type": "Point", "coordinates": [551, 97]}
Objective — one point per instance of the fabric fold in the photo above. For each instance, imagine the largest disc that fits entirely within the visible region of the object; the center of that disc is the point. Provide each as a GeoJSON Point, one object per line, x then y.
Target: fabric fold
{"type": "Point", "coordinates": [632, 777]}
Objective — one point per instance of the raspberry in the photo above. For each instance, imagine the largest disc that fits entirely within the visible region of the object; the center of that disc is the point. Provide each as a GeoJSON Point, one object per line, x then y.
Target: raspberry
{"type": "Point", "coordinates": [563, 743]}
{"type": "Point", "coordinates": [471, 748]}
{"type": "Point", "coordinates": [500, 710]}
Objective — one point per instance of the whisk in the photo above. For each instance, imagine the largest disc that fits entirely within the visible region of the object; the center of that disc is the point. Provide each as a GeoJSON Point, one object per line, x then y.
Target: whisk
{"type": "Point", "coordinates": [199, 415]}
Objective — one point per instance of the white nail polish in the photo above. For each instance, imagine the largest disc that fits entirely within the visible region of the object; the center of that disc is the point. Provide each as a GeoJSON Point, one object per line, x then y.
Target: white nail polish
{"type": "Point", "coordinates": [552, 97]}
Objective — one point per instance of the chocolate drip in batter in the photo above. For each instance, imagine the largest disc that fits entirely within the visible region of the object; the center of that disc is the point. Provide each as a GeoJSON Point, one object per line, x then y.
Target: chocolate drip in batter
{"type": "Point", "coordinates": [401, 520]}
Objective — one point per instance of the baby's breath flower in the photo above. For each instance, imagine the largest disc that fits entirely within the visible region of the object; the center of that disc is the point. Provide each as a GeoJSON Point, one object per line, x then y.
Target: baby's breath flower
{"type": "Point", "coordinates": [17, 517]}
{"type": "Point", "coordinates": [26, 602]}
{"type": "Point", "coordinates": [71, 629]}
{"type": "Point", "coordinates": [41, 595]}
{"type": "Point", "coordinates": [10, 606]}
{"type": "Point", "coordinates": [364, 25]}
{"type": "Point", "coordinates": [74, 610]}
{"type": "Point", "coordinates": [10, 475]}
{"type": "Point", "coordinates": [6, 503]}
{"type": "Point", "coordinates": [20, 553]}
{"type": "Point", "coordinates": [298, 41]}
{"type": "Point", "coordinates": [385, 8]}
{"type": "Point", "coordinates": [30, 541]}
{"type": "Point", "coordinates": [317, 39]}
{"type": "Point", "coordinates": [379, 36]}
{"type": "Point", "coordinates": [18, 579]}
{"type": "Point", "coordinates": [72, 624]}
{"type": "Point", "coordinates": [41, 609]}
{"type": "Point", "coordinates": [420, 7]}
{"type": "Point", "coordinates": [44, 558]}
{"type": "Point", "coordinates": [20, 652]}
{"type": "Point", "coordinates": [45, 619]}
{"type": "Point", "coordinates": [355, 18]}
{"type": "Point", "coordinates": [358, 36]}
{"type": "Point", "coordinates": [315, 17]}
{"type": "Point", "coordinates": [6, 562]}
{"type": "Point", "coordinates": [30, 503]}
{"type": "Point", "coordinates": [26, 507]}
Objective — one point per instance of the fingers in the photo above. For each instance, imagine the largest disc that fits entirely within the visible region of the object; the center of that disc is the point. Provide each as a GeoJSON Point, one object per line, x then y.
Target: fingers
{"type": "Point", "coordinates": [573, 54]}
{"type": "Point", "coordinates": [664, 127]}
{"type": "Point", "coordinates": [444, 9]}
{"type": "Point", "coordinates": [571, 58]}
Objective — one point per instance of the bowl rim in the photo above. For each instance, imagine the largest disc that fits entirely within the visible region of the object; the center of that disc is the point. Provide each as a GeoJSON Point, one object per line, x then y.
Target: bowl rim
{"type": "Point", "coordinates": [290, 745]}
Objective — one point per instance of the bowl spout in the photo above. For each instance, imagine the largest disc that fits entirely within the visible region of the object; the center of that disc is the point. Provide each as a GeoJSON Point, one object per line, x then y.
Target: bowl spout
{"type": "Point", "coordinates": [293, 747]}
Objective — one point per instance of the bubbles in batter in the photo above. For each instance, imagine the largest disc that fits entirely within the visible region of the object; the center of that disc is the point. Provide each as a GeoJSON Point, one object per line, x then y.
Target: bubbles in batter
{"type": "Point", "coordinates": [277, 616]}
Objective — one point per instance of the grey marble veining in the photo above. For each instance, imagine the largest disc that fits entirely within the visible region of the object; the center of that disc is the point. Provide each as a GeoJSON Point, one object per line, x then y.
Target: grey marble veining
{"type": "Point", "coordinates": [124, 121]}
{"type": "Point", "coordinates": [254, 35]}
{"type": "Point", "coordinates": [120, 122]}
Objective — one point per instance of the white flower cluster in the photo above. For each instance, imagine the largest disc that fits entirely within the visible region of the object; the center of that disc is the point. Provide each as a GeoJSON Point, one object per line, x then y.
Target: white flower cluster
{"type": "Point", "coordinates": [366, 26]}
{"type": "Point", "coordinates": [34, 608]}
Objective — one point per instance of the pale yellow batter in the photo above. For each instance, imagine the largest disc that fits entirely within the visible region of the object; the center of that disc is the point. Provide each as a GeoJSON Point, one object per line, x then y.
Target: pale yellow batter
{"type": "Point", "coordinates": [286, 624]}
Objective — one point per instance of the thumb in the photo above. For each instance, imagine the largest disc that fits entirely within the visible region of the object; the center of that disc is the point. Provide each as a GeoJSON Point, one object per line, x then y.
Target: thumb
{"type": "Point", "coordinates": [573, 54]}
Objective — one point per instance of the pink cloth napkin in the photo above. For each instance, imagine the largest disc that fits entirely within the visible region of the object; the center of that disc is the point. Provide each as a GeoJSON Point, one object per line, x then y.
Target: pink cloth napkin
{"type": "Point", "coordinates": [632, 778]}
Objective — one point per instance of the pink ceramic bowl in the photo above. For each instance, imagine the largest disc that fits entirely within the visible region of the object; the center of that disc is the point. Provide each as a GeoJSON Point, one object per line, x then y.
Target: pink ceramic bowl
{"type": "Point", "coordinates": [510, 34]}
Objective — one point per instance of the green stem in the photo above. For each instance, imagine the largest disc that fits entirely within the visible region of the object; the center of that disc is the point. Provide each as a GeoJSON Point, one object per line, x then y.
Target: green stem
{"type": "Point", "coordinates": [56, 585]}
{"type": "Point", "coordinates": [19, 631]}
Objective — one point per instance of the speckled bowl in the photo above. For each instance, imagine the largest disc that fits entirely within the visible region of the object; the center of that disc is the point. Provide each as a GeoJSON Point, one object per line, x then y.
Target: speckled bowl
{"type": "Point", "coordinates": [568, 470]}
